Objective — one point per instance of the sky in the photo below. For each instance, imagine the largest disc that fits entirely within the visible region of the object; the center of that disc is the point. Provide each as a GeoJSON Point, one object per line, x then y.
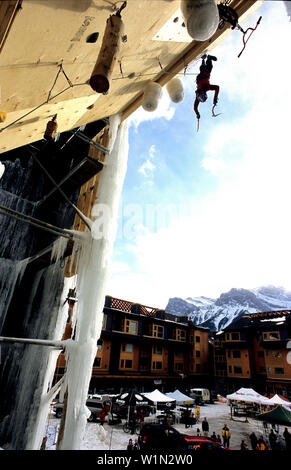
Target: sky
{"type": "Point", "coordinates": [203, 212]}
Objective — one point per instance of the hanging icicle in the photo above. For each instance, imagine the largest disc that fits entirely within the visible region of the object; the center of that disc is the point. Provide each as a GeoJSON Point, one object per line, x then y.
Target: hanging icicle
{"type": "Point", "coordinates": [152, 96]}
{"type": "Point", "coordinates": [201, 18]}
{"type": "Point", "coordinates": [112, 39]}
{"type": "Point", "coordinates": [176, 90]}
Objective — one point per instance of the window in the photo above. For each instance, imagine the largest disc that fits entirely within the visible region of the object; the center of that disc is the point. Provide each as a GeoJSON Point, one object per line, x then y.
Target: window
{"type": "Point", "coordinates": [230, 369]}
{"type": "Point", "coordinates": [197, 353]}
{"type": "Point", "coordinates": [127, 347]}
{"type": "Point", "coordinates": [191, 339]}
{"type": "Point", "coordinates": [126, 364]}
{"type": "Point", "coordinates": [197, 339]}
{"type": "Point", "coordinates": [97, 362]}
{"type": "Point", "coordinates": [263, 369]}
{"type": "Point", "coordinates": [235, 354]}
{"type": "Point", "coordinates": [179, 365]}
{"type": "Point", "coordinates": [157, 349]}
{"type": "Point", "coordinates": [104, 323]}
{"type": "Point", "coordinates": [197, 367]}
{"type": "Point", "coordinates": [237, 370]}
{"type": "Point", "coordinates": [271, 336]}
{"type": "Point", "coordinates": [180, 335]}
{"type": "Point", "coordinates": [130, 327]}
{"type": "Point", "coordinates": [99, 344]}
{"type": "Point", "coordinates": [235, 336]}
{"type": "Point", "coordinates": [279, 371]}
{"type": "Point", "coordinates": [157, 365]}
{"type": "Point", "coordinates": [158, 331]}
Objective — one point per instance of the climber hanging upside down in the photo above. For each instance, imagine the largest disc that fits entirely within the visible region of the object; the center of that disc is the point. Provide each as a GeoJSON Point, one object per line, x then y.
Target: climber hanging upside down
{"type": "Point", "coordinates": [203, 84]}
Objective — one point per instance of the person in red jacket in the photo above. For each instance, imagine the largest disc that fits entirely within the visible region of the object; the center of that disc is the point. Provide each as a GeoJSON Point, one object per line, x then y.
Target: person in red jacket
{"type": "Point", "coordinates": [203, 84]}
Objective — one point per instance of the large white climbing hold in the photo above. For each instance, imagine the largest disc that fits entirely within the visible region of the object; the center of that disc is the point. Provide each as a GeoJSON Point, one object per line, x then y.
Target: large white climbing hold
{"type": "Point", "coordinates": [152, 95]}
{"type": "Point", "coordinates": [201, 18]}
{"type": "Point", "coordinates": [176, 90]}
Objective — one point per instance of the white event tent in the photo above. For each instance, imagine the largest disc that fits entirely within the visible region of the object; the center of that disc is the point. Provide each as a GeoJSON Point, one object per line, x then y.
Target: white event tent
{"type": "Point", "coordinates": [247, 395]}
{"type": "Point", "coordinates": [276, 400]}
{"type": "Point", "coordinates": [181, 398]}
{"type": "Point", "coordinates": [158, 397]}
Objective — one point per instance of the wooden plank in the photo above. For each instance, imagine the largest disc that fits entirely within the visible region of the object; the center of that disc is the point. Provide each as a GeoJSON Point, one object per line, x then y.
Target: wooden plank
{"type": "Point", "coordinates": [8, 10]}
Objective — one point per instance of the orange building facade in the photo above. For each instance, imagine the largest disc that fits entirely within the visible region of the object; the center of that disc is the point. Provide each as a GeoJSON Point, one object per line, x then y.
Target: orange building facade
{"type": "Point", "coordinates": [254, 352]}
{"type": "Point", "coordinates": [143, 347]}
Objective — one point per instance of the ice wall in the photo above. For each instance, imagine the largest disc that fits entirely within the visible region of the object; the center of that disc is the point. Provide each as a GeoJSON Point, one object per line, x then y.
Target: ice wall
{"type": "Point", "coordinates": [92, 276]}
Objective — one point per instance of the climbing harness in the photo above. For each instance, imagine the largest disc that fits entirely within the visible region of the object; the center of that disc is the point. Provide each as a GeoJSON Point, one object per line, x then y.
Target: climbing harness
{"type": "Point", "coordinates": [229, 15]}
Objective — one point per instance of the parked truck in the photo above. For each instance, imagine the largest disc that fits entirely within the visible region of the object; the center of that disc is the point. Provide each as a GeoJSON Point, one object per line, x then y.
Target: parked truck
{"type": "Point", "coordinates": [201, 395]}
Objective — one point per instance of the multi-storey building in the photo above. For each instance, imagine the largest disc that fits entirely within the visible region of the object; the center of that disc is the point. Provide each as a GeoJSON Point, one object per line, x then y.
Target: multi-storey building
{"type": "Point", "coordinates": [145, 347]}
{"type": "Point", "coordinates": [253, 352]}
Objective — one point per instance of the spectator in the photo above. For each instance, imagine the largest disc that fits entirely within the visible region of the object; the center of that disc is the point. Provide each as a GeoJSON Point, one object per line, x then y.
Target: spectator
{"type": "Point", "coordinates": [205, 427]}
{"type": "Point", "coordinates": [254, 441]}
{"type": "Point", "coordinates": [102, 416]}
{"type": "Point", "coordinates": [130, 445]}
{"type": "Point", "coordinates": [272, 439]}
{"type": "Point", "coordinates": [261, 445]}
{"type": "Point", "coordinates": [243, 446]}
{"type": "Point", "coordinates": [225, 432]}
{"type": "Point", "coordinates": [287, 437]}
{"type": "Point", "coordinates": [136, 445]}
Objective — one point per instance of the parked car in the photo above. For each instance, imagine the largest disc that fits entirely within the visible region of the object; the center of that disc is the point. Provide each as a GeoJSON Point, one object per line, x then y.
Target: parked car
{"type": "Point", "coordinates": [95, 406]}
{"type": "Point", "coordinates": [153, 437]}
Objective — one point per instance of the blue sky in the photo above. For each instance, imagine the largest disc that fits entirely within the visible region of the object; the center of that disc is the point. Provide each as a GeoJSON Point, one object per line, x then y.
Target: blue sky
{"type": "Point", "coordinates": [203, 212]}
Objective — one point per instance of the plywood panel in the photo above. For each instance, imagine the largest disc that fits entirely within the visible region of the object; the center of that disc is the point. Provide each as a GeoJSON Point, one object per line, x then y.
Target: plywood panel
{"type": "Point", "coordinates": [47, 33]}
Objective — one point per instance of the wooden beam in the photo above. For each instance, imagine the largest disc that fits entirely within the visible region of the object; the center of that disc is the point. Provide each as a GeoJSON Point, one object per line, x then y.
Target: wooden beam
{"type": "Point", "coordinates": [8, 11]}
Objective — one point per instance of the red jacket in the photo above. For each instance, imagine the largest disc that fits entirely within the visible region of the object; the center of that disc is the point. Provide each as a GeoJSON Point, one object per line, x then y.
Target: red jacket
{"type": "Point", "coordinates": [204, 85]}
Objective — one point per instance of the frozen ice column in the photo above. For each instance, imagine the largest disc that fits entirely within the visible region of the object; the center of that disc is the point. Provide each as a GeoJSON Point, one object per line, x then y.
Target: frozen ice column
{"type": "Point", "coordinates": [92, 275]}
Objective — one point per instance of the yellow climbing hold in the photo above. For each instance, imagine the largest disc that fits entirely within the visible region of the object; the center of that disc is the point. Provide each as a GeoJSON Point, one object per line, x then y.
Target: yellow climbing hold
{"type": "Point", "coordinates": [3, 116]}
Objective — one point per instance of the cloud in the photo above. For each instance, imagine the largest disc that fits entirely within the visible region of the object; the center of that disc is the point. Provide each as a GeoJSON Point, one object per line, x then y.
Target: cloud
{"type": "Point", "coordinates": [239, 234]}
{"type": "Point", "coordinates": [147, 168]}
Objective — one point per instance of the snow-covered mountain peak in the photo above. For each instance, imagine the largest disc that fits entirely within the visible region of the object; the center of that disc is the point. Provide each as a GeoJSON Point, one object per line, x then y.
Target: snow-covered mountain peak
{"type": "Point", "coordinates": [219, 313]}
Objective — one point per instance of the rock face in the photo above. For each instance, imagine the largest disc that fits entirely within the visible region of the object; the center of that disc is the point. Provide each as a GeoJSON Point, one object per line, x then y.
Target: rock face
{"type": "Point", "coordinates": [216, 314]}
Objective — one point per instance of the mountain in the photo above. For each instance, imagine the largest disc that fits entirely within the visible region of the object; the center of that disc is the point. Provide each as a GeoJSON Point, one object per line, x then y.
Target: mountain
{"type": "Point", "coordinates": [216, 314]}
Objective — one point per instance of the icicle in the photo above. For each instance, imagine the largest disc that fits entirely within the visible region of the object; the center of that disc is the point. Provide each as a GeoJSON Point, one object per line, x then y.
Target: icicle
{"type": "Point", "coordinates": [59, 248]}
{"type": "Point", "coordinates": [175, 90]}
{"type": "Point", "coordinates": [152, 96]}
{"type": "Point", "coordinates": [2, 169]}
{"type": "Point", "coordinates": [93, 271]}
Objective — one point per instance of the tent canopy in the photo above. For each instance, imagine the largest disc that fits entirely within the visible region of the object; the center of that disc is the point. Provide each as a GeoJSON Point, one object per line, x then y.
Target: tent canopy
{"type": "Point", "coordinates": [180, 397]}
{"type": "Point", "coordinates": [131, 399]}
{"type": "Point", "coordinates": [248, 395]}
{"type": "Point", "coordinates": [276, 400]}
{"type": "Point", "coordinates": [158, 397]}
{"type": "Point", "coordinates": [279, 415]}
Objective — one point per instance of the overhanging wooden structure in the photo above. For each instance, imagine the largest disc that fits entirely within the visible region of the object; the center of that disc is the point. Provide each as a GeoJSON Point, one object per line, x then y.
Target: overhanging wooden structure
{"type": "Point", "coordinates": [43, 34]}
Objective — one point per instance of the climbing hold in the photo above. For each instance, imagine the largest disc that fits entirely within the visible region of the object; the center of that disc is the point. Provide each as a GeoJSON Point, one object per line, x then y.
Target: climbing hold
{"type": "Point", "coordinates": [175, 90]}
{"type": "Point", "coordinates": [152, 96]}
{"type": "Point", "coordinates": [201, 18]}
{"type": "Point", "coordinates": [3, 116]}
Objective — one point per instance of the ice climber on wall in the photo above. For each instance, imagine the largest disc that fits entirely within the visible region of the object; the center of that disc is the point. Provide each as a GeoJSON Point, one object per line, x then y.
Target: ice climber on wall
{"type": "Point", "coordinates": [203, 84]}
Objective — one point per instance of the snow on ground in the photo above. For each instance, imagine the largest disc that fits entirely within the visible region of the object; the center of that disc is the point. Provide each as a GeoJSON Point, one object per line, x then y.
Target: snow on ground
{"type": "Point", "coordinates": [114, 438]}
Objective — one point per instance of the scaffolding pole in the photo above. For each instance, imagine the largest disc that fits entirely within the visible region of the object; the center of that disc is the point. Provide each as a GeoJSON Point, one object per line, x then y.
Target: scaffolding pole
{"type": "Point", "coordinates": [39, 342]}
{"type": "Point", "coordinates": [35, 222]}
